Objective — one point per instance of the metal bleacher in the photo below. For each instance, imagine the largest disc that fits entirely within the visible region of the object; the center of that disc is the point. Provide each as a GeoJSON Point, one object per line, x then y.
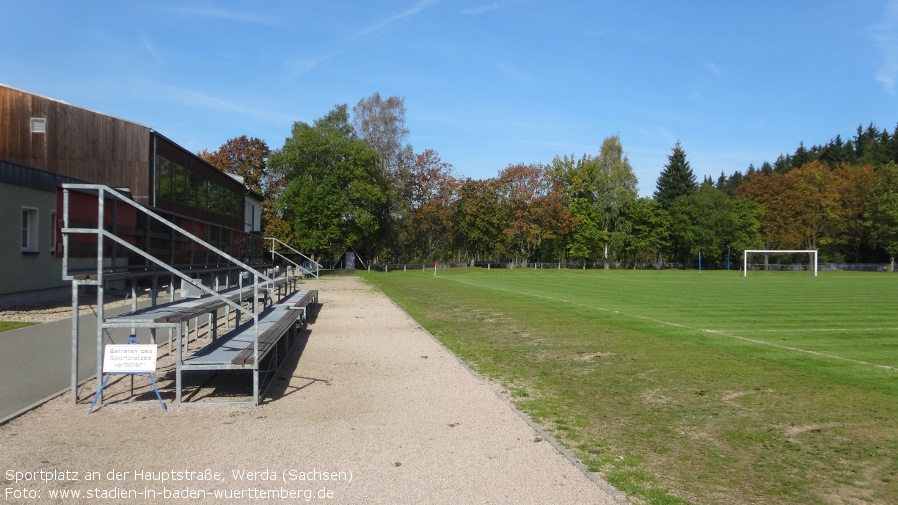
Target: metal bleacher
{"type": "Point", "coordinates": [268, 309]}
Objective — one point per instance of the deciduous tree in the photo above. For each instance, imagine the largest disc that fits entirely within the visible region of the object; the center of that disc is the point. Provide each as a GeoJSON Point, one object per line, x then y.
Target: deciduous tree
{"type": "Point", "coordinates": [248, 158]}
{"type": "Point", "coordinates": [801, 208]}
{"type": "Point", "coordinates": [577, 181]}
{"type": "Point", "coordinates": [534, 209]}
{"type": "Point", "coordinates": [853, 184]}
{"type": "Point", "coordinates": [615, 191]}
{"type": "Point", "coordinates": [333, 198]}
{"type": "Point", "coordinates": [245, 157]}
{"type": "Point", "coordinates": [381, 124]}
{"type": "Point", "coordinates": [710, 222]}
{"type": "Point", "coordinates": [881, 216]}
{"type": "Point", "coordinates": [479, 219]}
{"type": "Point", "coordinates": [432, 195]}
{"type": "Point", "coordinates": [649, 231]}
{"type": "Point", "coordinates": [597, 191]}
{"type": "Point", "coordinates": [771, 192]}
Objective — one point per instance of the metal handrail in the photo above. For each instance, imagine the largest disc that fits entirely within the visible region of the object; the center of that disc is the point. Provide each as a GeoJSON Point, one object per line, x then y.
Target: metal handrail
{"type": "Point", "coordinates": [318, 266]}
{"type": "Point", "coordinates": [172, 270]}
{"type": "Point", "coordinates": [161, 219]}
{"type": "Point", "coordinates": [102, 233]}
{"type": "Point", "coordinates": [279, 241]}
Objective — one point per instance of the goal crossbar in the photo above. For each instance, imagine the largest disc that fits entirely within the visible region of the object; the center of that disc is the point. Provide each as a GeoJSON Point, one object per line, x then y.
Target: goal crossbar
{"type": "Point", "coordinates": [812, 252]}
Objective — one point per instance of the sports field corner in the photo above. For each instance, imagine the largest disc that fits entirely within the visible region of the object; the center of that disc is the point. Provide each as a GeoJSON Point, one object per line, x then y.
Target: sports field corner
{"type": "Point", "coordinates": [680, 387]}
{"type": "Point", "coordinates": [368, 409]}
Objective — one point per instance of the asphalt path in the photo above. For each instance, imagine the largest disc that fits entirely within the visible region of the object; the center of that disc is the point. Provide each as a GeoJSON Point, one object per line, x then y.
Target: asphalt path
{"type": "Point", "coordinates": [36, 361]}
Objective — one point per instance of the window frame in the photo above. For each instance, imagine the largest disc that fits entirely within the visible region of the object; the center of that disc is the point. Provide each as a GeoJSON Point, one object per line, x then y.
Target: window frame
{"type": "Point", "coordinates": [30, 230]}
{"type": "Point", "coordinates": [53, 232]}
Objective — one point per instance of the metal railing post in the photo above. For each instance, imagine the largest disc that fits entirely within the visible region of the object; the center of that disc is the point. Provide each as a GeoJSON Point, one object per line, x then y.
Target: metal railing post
{"type": "Point", "coordinates": [100, 292]}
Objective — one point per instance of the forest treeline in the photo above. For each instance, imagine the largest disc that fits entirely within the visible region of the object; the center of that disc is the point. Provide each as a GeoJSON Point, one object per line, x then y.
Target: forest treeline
{"type": "Point", "coordinates": [350, 179]}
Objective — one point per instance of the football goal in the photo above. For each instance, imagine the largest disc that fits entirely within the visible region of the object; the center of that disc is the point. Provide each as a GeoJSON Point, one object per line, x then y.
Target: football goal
{"type": "Point", "coordinates": [772, 252]}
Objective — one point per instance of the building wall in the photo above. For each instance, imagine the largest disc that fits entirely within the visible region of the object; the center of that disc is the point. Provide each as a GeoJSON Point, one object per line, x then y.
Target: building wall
{"type": "Point", "coordinates": [72, 144]}
{"type": "Point", "coordinates": [101, 149]}
{"type": "Point", "coordinates": [75, 142]}
{"type": "Point", "coordinates": [253, 213]}
{"type": "Point", "coordinates": [32, 271]}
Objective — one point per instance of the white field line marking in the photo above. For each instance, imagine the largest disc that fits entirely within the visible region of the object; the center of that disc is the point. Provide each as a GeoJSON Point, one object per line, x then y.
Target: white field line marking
{"type": "Point", "coordinates": [683, 326]}
{"type": "Point", "coordinates": [798, 349]}
{"type": "Point", "coordinates": [816, 330]}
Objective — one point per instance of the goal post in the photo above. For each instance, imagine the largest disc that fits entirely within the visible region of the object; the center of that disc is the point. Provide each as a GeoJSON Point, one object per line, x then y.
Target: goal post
{"type": "Point", "coordinates": [811, 252]}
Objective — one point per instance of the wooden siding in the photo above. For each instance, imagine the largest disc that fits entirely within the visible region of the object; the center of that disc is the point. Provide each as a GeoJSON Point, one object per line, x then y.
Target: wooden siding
{"type": "Point", "coordinates": [78, 143]}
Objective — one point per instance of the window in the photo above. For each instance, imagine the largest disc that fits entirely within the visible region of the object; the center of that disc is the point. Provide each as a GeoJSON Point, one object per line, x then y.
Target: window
{"type": "Point", "coordinates": [164, 178]}
{"type": "Point", "coordinates": [250, 217]}
{"type": "Point", "coordinates": [29, 230]}
{"type": "Point", "coordinates": [52, 232]}
{"type": "Point", "coordinates": [178, 184]}
{"type": "Point", "coordinates": [38, 125]}
{"type": "Point", "coordinates": [193, 185]}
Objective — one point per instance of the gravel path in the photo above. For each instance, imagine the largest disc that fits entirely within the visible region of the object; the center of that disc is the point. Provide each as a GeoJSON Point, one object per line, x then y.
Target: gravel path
{"type": "Point", "coordinates": [375, 411]}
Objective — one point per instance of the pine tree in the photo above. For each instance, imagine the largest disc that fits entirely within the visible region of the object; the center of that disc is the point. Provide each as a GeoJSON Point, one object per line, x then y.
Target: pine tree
{"type": "Point", "coordinates": [677, 178]}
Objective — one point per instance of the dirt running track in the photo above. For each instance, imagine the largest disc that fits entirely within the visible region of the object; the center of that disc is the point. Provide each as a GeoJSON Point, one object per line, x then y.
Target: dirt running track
{"type": "Point", "coordinates": [368, 409]}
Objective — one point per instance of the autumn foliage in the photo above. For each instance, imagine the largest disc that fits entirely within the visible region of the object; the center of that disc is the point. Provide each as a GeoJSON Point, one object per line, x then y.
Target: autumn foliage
{"type": "Point", "coordinates": [342, 182]}
{"type": "Point", "coordinates": [810, 207]}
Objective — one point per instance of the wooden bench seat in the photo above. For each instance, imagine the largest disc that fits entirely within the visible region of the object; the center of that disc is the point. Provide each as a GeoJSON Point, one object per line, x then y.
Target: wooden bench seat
{"type": "Point", "coordinates": [308, 298]}
{"type": "Point", "coordinates": [235, 348]}
{"type": "Point", "coordinates": [207, 304]}
{"type": "Point", "coordinates": [187, 308]}
{"type": "Point", "coordinates": [305, 302]}
{"type": "Point", "coordinates": [269, 338]}
{"type": "Point", "coordinates": [279, 286]}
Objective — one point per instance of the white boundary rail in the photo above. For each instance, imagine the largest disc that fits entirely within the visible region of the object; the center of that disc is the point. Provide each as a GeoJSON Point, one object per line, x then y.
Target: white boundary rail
{"type": "Point", "coordinates": [812, 252]}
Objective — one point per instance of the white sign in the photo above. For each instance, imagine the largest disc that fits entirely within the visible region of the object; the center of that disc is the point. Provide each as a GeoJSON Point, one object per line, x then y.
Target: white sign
{"type": "Point", "coordinates": [135, 358]}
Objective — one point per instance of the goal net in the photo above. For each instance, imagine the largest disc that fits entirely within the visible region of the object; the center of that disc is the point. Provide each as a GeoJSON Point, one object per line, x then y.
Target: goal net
{"type": "Point", "coordinates": [784, 259]}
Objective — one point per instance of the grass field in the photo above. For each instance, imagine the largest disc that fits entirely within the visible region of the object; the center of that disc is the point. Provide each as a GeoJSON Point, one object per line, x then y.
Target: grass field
{"type": "Point", "coordinates": [685, 388]}
{"type": "Point", "coordinates": [8, 325]}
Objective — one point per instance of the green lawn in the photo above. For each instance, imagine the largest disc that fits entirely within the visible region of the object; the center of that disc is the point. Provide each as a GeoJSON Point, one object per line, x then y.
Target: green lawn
{"type": "Point", "coordinates": [685, 388]}
{"type": "Point", "coordinates": [8, 325]}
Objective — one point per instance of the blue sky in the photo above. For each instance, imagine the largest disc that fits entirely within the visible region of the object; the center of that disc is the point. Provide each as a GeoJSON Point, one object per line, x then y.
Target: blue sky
{"type": "Point", "coordinates": [486, 83]}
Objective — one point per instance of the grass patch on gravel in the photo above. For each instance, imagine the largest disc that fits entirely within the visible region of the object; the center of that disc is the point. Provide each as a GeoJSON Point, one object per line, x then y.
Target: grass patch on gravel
{"type": "Point", "coordinates": [11, 325]}
{"type": "Point", "coordinates": [676, 387]}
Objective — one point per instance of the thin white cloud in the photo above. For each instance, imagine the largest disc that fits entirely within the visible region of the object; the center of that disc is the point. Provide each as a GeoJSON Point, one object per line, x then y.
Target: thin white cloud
{"type": "Point", "coordinates": [193, 98]}
{"type": "Point", "coordinates": [472, 11]}
{"type": "Point", "coordinates": [151, 48]}
{"type": "Point", "coordinates": [514, 73]}
{"type": "Point", "coordinates": [206, 11]}
{"type": "Point", "coordinates": [412, 11]}
{"type": "Point", "coordinates": [490, 7]}
{"type": "Point", "coordinates": [885, 34]}
{"type": "Point", "coordinates": [656, 135]}
{"type": "Point", "coordinates": [301, 65]}
{"type": "Point", "coordinates": [713, 68]}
